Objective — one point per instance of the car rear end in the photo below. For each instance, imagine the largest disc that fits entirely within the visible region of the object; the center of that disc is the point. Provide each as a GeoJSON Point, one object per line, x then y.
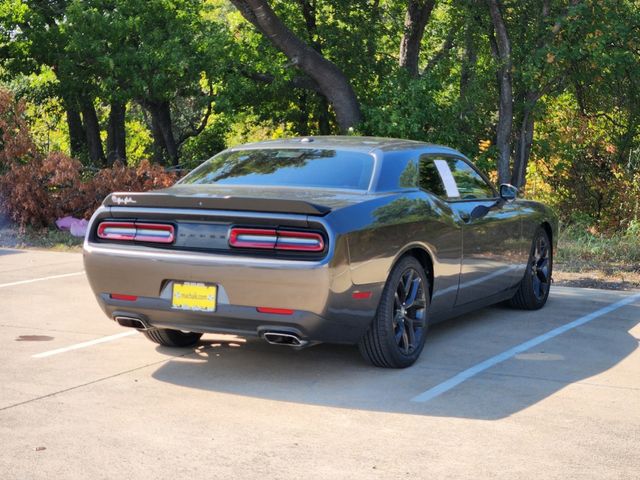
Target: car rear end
{"type": "Point", "coordinates": [245, 262]}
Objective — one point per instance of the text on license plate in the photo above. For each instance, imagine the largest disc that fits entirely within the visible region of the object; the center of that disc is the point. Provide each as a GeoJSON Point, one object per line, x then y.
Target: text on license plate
{"type": "Point", "coordinates": [194, 296]}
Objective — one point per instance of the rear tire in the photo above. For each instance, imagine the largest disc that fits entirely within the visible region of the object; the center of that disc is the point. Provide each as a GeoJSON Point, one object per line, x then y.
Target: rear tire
{"type": "Point", "coordinates": [397, 334]}
{"type": "Point", "coordinates": [534, 288]}
{"type": "Point", "coordinates": [172, 338]}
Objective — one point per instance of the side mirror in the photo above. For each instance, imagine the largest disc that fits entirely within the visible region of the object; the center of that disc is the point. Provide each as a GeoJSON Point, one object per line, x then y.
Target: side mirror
{"type": "Point", "coordinates": [508, 192]}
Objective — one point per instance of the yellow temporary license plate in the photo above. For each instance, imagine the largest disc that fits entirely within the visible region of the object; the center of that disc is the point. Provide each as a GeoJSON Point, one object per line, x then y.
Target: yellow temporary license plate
{"type": "Point", "coordinates": [194, 296]}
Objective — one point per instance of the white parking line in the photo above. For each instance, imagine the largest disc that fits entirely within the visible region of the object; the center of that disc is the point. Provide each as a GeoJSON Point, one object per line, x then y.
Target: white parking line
{"type": "Point", "coordinates": [40, 279]}
{"type": "Point", "coordinates": [482, 366]}
{"type": "Point", "coordinates": [90, 343]}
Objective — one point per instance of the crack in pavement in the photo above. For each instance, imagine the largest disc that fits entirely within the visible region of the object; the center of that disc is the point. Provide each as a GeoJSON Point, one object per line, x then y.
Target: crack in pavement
{"type": "Point", "coordinates": [93, 382]}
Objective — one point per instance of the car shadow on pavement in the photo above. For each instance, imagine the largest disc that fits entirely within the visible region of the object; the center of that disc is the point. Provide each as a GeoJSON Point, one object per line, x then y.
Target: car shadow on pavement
{"type": "Point", "coordinates": [336, 376]}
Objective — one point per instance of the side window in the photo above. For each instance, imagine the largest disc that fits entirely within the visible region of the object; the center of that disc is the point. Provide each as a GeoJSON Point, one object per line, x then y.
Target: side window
{"type": "Point", "coordinates": [452, 179]}
{"type": "Point", "coordinates": [470, 184]}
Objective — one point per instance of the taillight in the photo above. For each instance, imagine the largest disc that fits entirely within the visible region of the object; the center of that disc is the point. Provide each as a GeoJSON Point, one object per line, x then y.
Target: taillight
{"type": "Point", "coordinates": [253, 238]}
{"type": "Point", "coordinates": [117, 231]}
{"type": "Point", "coordinates": [136, 231]}
{"type": "Point", "coordinates": [302, 241]}
{"type": "Point", "coordinates": [271, 239]}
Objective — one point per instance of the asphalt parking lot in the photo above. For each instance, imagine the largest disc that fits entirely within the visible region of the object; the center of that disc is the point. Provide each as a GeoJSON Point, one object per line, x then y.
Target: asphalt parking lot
{"type": "Point", "coordinates": [496, 394]}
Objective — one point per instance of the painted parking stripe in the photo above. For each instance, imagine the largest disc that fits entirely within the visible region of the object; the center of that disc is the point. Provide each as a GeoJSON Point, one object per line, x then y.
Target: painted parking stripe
{"type": "Point", "coordinates": [90, 343]}
{"type": "Point", "coordinates": [490, 362]}
{"type": "Point", "coordinates": [40, 279]}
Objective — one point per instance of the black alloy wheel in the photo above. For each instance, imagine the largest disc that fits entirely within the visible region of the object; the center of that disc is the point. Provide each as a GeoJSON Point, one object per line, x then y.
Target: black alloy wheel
{"type": "Point", "coordinates": [397, 334]}
{"type": "Point", "coordinates": [409, 305]}
{"type": "Point", "coordinates": [533, 291]}
{"type": "Point", "coordinates": [540, 268]}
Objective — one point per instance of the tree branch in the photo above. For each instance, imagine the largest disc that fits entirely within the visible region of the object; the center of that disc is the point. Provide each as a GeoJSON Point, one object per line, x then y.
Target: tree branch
{"type": "Point", "coordinates": [331, 81]}
{"type": "Point", "coordinates": [302, 82]}
{"type": "Point", "coordinates": [203, 123]}
{"type": "Point", "coordinates": [447, 45]}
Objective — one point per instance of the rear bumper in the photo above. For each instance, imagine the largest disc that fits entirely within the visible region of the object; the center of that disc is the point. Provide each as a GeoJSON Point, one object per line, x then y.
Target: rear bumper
{"type": "Point", "coordinates": [319, 292]}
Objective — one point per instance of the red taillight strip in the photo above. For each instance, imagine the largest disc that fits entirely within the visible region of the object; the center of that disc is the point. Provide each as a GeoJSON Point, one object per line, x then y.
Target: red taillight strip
{"type": "Point", "coordinates": [361, 295]}
{"type": "Point", "coordinates": [267, 238]}
{"type": "Point", "coordinates": [137, 231]}
{"type": "Point", "coordinates": [120, 296]}
{"type": "Point", "coordinates": [275, 311]}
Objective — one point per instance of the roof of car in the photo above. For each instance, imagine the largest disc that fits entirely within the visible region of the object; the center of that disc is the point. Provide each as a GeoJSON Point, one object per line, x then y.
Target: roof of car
{"type": "Point", "coordinates": [361, 144]}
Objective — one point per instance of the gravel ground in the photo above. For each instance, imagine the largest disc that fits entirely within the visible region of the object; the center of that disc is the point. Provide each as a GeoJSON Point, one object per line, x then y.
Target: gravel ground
{"type": "Point", "coordinates": [607, 278]}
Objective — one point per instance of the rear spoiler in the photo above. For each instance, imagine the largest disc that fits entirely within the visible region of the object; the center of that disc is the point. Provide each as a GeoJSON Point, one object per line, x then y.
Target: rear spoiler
{"type": "Point", "coordinates": [248, 204]}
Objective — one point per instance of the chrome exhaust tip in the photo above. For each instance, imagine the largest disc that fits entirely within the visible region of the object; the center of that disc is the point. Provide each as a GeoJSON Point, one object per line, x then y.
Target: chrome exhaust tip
{"type": "Point", "coordinates": [287, 339]}
{"type": "Point", "coordinates": [131, 322]}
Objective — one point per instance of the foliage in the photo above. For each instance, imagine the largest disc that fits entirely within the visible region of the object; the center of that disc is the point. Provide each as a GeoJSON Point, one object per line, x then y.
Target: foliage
{"type": "Point", "coordinates": [206, 144]}
{"type": "Point", "coordinates": [576, 71]}
{"type": "Point", "coordinates": [15, 140]}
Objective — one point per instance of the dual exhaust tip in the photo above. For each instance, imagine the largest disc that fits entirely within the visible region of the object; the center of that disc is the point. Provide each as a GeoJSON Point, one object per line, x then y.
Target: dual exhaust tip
{"type": "Point", "coordinates": [287, 339]}
{"type": "Point", "coordinates": [274, 338]}
{"type": "Point", "coordinates": [132, 322]}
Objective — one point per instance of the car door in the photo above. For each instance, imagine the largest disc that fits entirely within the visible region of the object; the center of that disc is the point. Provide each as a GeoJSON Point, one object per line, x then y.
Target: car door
{"type": "Point", "coordinates": [491, 228]}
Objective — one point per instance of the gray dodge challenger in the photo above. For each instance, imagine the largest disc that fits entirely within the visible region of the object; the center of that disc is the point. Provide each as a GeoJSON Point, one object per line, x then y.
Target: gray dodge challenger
{"type": "Point", "coordinates": [349, 240]}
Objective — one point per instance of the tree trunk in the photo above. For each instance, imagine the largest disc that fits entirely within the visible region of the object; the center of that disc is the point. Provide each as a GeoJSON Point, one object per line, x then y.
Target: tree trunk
{"type": "Point", "coordinates": [333, 84]}
{"type": "Point", "coordinates": [324, 124]}
{"type": "Point", "coordinates": [469, 61]}
{"type": "Point", "coordinates": [303, 118]}
{"type": "Point", "coordinates": [523, 148]}
{"type": "Point", "coordinates": [502, 49]}
{"type": "Point", "coordinates": [322, 107]}
{"type": "Point", "coordinates": [77, 135]}
{"type": "Point", "coordinates": [92, 131]}
{"type": "Point", "coordinates": [467, 74]}
{"type": "Point", "coordinates": [159, 148]}
{"type": "Point", "coordinates": [162, 129]}
{"type": "Point", "coordinates": [415, 21]}
{"type": "Point", "coordinates": [116, 134]}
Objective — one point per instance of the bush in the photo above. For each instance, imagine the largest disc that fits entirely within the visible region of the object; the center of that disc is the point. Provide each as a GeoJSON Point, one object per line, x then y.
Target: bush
{"type": "Point", "coordinates": [38, 192]}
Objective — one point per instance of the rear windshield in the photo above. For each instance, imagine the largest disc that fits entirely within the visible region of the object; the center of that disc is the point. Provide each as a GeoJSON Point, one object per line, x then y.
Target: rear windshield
{"type": "Point", "coordinates": [287, 168]}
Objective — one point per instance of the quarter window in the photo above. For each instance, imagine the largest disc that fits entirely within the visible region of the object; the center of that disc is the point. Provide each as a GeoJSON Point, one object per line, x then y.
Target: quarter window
{"type": "Point", "coordinates": [429, 177]}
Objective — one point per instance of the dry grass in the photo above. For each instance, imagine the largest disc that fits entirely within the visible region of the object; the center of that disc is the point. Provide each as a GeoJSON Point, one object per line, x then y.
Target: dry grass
{"type": "Point", "coordinates": [585, 259]}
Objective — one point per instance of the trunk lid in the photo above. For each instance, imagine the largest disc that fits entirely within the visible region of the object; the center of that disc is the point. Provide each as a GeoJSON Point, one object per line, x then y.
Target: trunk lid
{"type": "Point", "coordinates": [247, 199]}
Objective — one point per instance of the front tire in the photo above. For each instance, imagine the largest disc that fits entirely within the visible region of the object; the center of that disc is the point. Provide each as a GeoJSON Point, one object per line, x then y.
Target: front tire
{"type": "Point", "coordinates": [172, 338]}
{"type": "Point", "coordinates": [397, 334]}
{"type": "Point", "coordinates": [534, 288]}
